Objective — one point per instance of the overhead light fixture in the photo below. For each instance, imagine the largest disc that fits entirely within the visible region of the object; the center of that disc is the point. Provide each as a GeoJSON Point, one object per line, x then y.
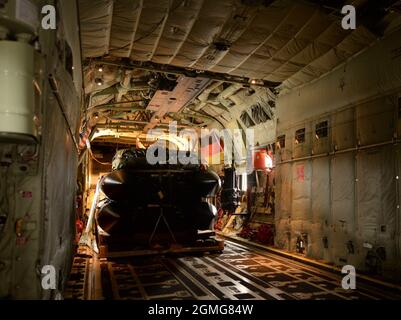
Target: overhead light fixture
{"type": "Point", "coordinates": [257, 82]}
{"type": "Point", "coordinates": [100, 69]}
{"type": "Point", "coordinates": [99, 81]}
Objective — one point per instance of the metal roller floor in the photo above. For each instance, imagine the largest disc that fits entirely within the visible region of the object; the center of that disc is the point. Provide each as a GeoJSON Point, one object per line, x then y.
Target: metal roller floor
{"type": "Point", "coordinates": [240, 273]}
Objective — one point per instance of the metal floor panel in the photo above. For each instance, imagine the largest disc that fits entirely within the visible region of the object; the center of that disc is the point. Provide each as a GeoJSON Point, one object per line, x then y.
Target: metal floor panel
{"type": "Point", "coordinates": [239, 273]}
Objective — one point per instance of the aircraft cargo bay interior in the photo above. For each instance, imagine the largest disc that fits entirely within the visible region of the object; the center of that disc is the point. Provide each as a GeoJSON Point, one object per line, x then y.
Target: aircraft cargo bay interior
{"type": "Point", "coordinates": [200, 150]}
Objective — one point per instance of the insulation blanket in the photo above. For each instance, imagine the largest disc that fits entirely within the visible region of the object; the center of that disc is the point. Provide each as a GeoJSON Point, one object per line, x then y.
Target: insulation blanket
{"type": "Point", "coordinates": [351, 84]}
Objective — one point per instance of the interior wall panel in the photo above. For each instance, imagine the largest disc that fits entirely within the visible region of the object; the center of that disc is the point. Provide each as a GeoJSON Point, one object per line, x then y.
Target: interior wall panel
{"type": "Point", "coordinates": [301, 149]}
{"type": "Point", "coordinates": [375, 121]}
{"type": "Point", "coordinates": [388, 182]}
{"type": "Point", "coordinates": [285, 153]}
{"type": "Point", "coordinates": [342, 182]}
{"type": "Point", "coordinates": [320, 197]}
{"type": "Point", "coordinates": [369, 194]}
{"type": "Point", "coordinates": [354, 191]}
{"type": "Point", "coordinates": [321, 144]}
{"type": "Point", "coordinates": [283, 206]}
{"type": "Point", "coordinates": [397, 230]}
{"type": "Point", "coordinates": [343, 129]}
{"type": "Point", "coordinates": [342, 211]}
{"type": "Point", "coordinates": [397, 99]}
{"type": "Point", "coordinates": [283, 190]}
{"type": "Point", "coordinates": [301, 180]}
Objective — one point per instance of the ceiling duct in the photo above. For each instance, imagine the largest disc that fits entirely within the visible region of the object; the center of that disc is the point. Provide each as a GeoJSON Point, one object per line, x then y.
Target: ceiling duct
{"type": "Point", "coordinates": [173, 101]}
{"type": "Point", "coordinates": [165, 101]}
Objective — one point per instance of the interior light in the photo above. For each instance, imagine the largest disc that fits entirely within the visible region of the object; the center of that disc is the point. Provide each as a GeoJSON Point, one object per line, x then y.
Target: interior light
{"type": "Point", "coordinates": [100, 69]}
{"type": "Point", "coordinates": [99, 81]}
{"type": "Point", "coordinates": [258, 82]}
{"type": "Point", "coordinates": [244, 184]}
